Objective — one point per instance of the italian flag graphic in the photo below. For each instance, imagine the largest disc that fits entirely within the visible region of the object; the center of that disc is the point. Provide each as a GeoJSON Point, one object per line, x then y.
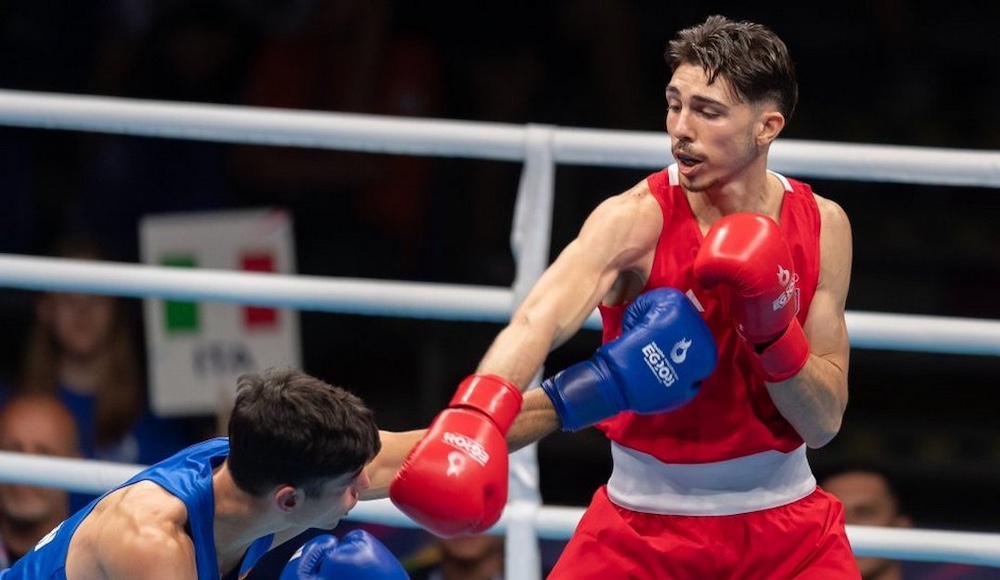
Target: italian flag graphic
{"type": "Point", "coordinates": [184, 317]}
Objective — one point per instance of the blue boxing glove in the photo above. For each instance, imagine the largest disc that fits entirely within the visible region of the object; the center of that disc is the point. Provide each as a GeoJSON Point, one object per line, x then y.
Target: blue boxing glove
{"type": "Point", "coordinates": [360, 556]}
{"type": "Point", "coordinates": [656, 365]}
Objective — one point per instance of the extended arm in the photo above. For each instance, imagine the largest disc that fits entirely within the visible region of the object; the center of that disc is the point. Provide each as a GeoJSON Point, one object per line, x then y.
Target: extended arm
{"type": "Point", "coordinates": [537, 420]}
{"type": "Point", "coordinates": [395, 447]}
{"type": "Point", "coordinates": [454, 481]}
{"type": "Point", "coordinates": [619, 236]}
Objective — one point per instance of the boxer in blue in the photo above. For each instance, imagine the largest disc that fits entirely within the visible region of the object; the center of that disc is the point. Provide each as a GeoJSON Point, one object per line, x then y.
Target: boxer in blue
{"type": "Point", "coordinates": [300, 454]}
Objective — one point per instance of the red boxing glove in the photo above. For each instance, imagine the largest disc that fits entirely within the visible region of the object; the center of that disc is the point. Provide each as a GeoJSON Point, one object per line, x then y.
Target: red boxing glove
{"type": "Point", "coordinates": [747, 253]}
{"type": "Point", "coordinates": [454, 481]}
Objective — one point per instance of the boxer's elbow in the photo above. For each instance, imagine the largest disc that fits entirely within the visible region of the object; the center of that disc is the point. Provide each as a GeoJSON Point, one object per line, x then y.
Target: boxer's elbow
{"type": "Point", "coordinates": [823, 431]}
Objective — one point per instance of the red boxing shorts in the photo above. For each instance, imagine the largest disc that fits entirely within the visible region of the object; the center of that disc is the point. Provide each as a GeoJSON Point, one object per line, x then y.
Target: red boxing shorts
{"type": "Point", "coordinates": [804, 540]}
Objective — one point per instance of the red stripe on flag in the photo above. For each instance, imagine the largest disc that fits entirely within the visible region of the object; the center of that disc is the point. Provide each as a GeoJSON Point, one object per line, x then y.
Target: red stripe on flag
{"type": "Point", "coordinates": [256, 317]}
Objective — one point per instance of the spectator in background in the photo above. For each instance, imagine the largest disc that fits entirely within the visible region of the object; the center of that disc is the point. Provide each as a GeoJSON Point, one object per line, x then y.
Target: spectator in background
{"type": "Point", "coordinates": [871, 498]}
{"type": "Point", "coordinates": [40, 425]}
{"type": "Point", "coordinates": [83, 348]}
{"type": "Point", "coordinates": [478, 557]}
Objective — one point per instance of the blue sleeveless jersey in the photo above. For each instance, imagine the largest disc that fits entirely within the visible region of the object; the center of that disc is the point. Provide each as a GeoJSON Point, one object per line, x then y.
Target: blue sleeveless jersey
{"type": "Point", "coordinates": [187, 475]}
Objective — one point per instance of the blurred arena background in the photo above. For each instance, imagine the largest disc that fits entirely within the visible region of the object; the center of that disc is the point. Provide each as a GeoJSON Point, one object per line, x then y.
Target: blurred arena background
{"type": "Point", "coordinates": [885, 71]}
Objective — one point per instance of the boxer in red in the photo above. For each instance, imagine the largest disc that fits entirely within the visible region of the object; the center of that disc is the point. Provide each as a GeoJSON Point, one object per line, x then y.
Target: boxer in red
{"type": "Point", "coordinates": [716, 485]}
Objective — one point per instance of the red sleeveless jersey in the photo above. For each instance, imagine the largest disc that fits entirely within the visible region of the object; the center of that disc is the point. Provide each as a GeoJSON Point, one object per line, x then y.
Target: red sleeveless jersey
{"type": "Point", "coordinates": [733, 415]}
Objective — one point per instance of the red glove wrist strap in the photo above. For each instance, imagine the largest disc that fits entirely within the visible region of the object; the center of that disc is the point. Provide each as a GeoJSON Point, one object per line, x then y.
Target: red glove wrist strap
{"type": "Point", "coordinates": [495, 397]}
{"type": "Point", "coordinates": [785, 357]}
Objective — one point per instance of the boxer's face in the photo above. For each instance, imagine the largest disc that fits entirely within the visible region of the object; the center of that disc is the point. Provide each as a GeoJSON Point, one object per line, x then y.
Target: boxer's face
{"type": "Point", "coordinates": [339, 497]}
{"type": "Point", "coordinates": [714, 136]}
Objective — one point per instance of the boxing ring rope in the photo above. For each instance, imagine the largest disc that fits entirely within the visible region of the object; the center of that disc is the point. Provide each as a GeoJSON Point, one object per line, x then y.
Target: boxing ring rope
{"type": "Point", "coordinates": [540, 148]}
{"type": "Point", "coordinates": [552, 523]}
{"type": "Point", "coordinates": [880, 331]}
{"type": "Point", "coordinates": [497, 141]}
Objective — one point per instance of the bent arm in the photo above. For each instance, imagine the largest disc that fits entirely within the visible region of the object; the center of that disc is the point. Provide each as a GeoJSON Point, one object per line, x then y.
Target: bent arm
{"type": "Point", "coordinates": [814, 400]}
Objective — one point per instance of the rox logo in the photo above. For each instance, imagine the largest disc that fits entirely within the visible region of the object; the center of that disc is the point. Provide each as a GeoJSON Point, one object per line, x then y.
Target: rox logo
{"type": "Point", "coordinates": [660, 365]}
{"type": "Point", "coordinates": [472, 448]}
{"type": "Point", "coordinates": [787, 280]}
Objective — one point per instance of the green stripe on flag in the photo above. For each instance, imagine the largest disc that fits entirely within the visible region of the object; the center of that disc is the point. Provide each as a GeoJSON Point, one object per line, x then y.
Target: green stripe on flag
{"type": "Point", "coordinates": [180, 317]}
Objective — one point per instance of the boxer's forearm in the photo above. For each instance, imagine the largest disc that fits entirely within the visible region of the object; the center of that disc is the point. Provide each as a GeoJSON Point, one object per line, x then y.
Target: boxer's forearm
{"type": "Point", "coordinates": [395, 448]}
{"type": "Point", "coordinates": [536, 420]}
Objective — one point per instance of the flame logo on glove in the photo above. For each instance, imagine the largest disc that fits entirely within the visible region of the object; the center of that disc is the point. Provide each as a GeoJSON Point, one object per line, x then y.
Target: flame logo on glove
{"type": "Point", "coordinates": [784, 276]}
{"type": "Point", "coordinates": [787, 279]}
{"type": "Point", "coordinates": [456, 461]}
{"type": "Point", "coordinates": [680, 351]}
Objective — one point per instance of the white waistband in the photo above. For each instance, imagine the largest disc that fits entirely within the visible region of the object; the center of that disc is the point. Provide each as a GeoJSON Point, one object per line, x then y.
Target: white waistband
{"type": "Point", "coordinates": [642, 483]}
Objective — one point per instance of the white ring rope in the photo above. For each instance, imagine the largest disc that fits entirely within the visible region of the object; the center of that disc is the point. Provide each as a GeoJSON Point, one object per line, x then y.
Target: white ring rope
{"type": "Point", "coordinates": [79, 475]}
{"type": "Point", "coordinates": [907, 332]}
{"type": "Point", "coordinates": [551, 522]}
{"type": "Point", "coordinates": [372, 133]}
{"type": "Point", "coordinates": [540, 148]}
{"type": "Point", "coordinates": [346, 295]}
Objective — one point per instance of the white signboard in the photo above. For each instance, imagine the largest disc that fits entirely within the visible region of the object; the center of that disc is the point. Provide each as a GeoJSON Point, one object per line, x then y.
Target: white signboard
{"type": "Point", "coordinates": [197, 350]}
